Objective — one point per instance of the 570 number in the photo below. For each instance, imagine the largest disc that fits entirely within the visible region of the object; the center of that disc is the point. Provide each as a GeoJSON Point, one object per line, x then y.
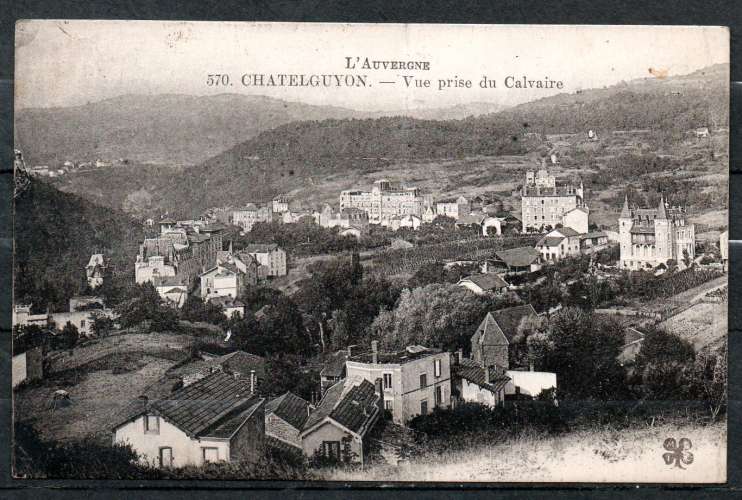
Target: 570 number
{"type": "Point", "coordinates": [216, 80]}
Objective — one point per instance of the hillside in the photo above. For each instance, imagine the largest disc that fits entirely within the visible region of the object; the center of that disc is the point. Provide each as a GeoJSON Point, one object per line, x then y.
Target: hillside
{"type": "Point", "coordinates": [165, 129]}
{"type": "Point", "coordinates": [313, 159]}
{"type": "Point", "coordinates": [55, 234]}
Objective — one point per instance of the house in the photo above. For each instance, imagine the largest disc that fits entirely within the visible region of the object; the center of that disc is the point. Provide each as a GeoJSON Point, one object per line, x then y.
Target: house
{"type": "Point", "coordinates": [484, 283]}
{"type": "Point", "coordinates": [558, 244]}
{"type": "Point", "coordinates": [414, 380]}
{"type": "Point", "coordinates": [429, 215]}
{"type": "Point", "coordinates": [333, 369]}
{"type": "Point", "coordinates": [577, 219]}
{"type": "Point", "coordinates": [453, 208]}
{"type": "Point", "coordinates": [250, 367]}
{"type": "Point", "coordinates": [222, 280]}
{"type": "Point", "coordinates": [650, 237]}
{"type": "Point", "coordinates": [386, 199]}
{"type": "Point", "coordinates": [22, 316]}
{"type": "Point", "coordinates": [250, 215]}
{"type": "Point", "coordinates": [474, 383]}
{"type": "Point", "coordinates": [470, 220]}
{"type": "Point", "coordinates": [593, 242]}
{"type": "Point", "coordinates": [95, 270]}
{"type": "Point", "coordinates": [491, 340]}
{"type": "Point", "coordinates": [352, 232]}
{"type": "Point", "coordinates": [492, 226]}
{"type": "Point", "coordinates": [280, 204]}
{"type": "Point", "coordinates": [216, 419]}
{"type": "Point", "coordinates": [529, 383]}
{"type": "Point", "coordinates": [338, 428]}
{"type": "Point", "coordinates": [515, 260]}
{"type": "Point", "coordinates": [247, 265]}
{"type": "Point", "coordinates": [172, 290]}
{"type": "Point", "coordinates": [410, 221]}
{"type": "Point", "coordinates": [229, 305]}
{"type": "Point", "coordinates": [724, 249]}
{"type": "Point", "coordinates": [632, 343]}
{"type": "Point", "coordinates": [701, 132]}
{"type": "Point", "coordinates": [270, 257]}
{"type": "Point", "coordinates": [399, 243]}
{"type": "Point", "coordinates": [544, 203]}
{"type": "Point", "coordinates": [285, 417]}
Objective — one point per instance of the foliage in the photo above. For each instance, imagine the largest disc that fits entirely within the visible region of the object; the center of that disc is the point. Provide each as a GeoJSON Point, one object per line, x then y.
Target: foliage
{"type": "Point", "coordinates": [646, 286]}
{"type": "Point", "coordinates": [68, 337]}
{"type": "Point", "coordinates": [146, 305]}
{"type": "Point", "coordinates": [287, 373]}
{"type": "Point", "coordinates": [196, 310]}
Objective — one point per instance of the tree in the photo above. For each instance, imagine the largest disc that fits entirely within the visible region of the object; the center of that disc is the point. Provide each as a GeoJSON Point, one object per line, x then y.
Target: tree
{"type": "Point", "coordinates": [584, 355]}
{"type": "Point", "coordinates": [69, 336]}
{"type": "Point", "coordinates": [437, 314]}
{"type": "Point", "coordinates": [686, 258]}
{"type": "Point", "coordinates": [707, 379]}
{"type": "Point", "coordinates": [519, 349]}
{"type": "Point", "coordinates": [196, 310]}
{"type": "Point", "coordinates": [102, 325]}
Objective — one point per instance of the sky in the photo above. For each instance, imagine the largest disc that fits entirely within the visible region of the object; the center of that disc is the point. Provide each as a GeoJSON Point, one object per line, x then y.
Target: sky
{"type": "Point", "coordinates": [68, 63]}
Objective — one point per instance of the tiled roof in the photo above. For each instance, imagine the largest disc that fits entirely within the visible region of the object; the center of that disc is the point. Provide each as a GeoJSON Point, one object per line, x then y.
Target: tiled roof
{"type": "Point", "coordinates": [289, 407]}
{"type": "Point", "coordinates": [518, 257]}
{"type": "Point", "coordinates": [351, 403]}
{"type": "Point", "coordinates": [579, 209]}
{"type": "Point", "coordinates": [642, 229]}
{"type": "Point", "coordinates": [487, 281]}
{"type": "Point", "coordinates": [550, 241]}
{"type": "Point", "coordinates": [473, 372]}
{"type": "Point", "coordinates": [334, 365]}
{"type": "Point", "coordinates": [470, 220]}
{"type": "Point", "coordinates": [489, 332]}
{"type": "Point", "coordinates": [242, 362]}
{"type": "Point", "coordinates": [566, 231]}
{"type": "Point", "coordinates": [226, 302]}
{"type": "Point", "coordinates": [508, 319]}
{"type": "Point", "coordinates": [211, 406]}
{"type": "Point", "coordinates": [593, 234]}
{"type": "Point", "coordinates": [410, 353]}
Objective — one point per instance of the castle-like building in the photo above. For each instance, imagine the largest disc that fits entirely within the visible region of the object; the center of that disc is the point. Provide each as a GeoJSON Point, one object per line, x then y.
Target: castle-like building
{"type": "Point", "coordinates": [652, 236]}
{"type": "Point", "coordinates": [386, 200]}
{"type": "Point", "coordinates": [544, 204]}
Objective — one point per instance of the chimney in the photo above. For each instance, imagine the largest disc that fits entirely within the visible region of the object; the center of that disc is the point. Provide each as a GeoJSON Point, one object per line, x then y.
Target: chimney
{"type": "Point", "coordinates": [374, 351]}
{"type": "Point", "coordinates": [236, 375]}
{"type": "Point", "coordinates": [252, 381]}
{"type": "Point", "coordinates": [350, 351]}
{"type": "Point", "coordinates": [460, 356]}
{"type": "Point", "coordinates": [486, 374]}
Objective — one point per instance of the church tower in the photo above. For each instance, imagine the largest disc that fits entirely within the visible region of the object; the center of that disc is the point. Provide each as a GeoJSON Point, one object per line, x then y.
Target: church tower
{"type": "Point", "coordinates": [662, 234]}
{"type": "Point", "coordinates": [625, 222]}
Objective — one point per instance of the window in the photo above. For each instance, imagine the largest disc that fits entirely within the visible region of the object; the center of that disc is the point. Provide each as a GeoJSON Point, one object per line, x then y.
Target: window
{"type": "Point", "coordinates": [388, 404]}
{"type": "Point", "coordinates": [82, 323]}
{"type": "Point", "coordinates": [331, 449]}
{"type": "Point", "coordinates": [151, 424]}
{"type": "Point", "coordinates": [210, 454]}
{"type": "Point", "coordinates": [437, 367]}
{"type": "Point", "coordinates": [424, 407]}
{"type": "Point", "coordinates": [166, 456]}
{"type": "Point", "coordinates": [438, 395]}
{"type": "Point", "coordinates": [387, 381]}
{"type": "Point", "coordinates": [423, 380]}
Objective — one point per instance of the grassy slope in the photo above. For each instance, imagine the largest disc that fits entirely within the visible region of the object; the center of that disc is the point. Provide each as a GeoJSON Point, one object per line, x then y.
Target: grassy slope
{"type": "Point", "coordinates": [601, 455]}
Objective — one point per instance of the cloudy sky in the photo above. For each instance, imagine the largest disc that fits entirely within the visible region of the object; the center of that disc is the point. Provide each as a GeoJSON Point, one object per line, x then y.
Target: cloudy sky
{"type": "Point", "coordinates": [64, 63]}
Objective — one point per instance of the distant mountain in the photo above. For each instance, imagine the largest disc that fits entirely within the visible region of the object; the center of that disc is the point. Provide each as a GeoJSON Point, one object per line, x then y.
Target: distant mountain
{"type": "Point", "coordinates": [301, 155]}
{"type": "Point", "coordinates": [455, 112]}
{"type": "Point", "coordinates": [164, 129]}
{"type": "Point", "coordinates": [55, 234]}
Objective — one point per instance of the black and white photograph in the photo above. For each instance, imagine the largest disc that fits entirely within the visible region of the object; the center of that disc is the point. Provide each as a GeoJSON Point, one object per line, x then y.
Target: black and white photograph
{"type": "Point", "coordinates": [370, 253]}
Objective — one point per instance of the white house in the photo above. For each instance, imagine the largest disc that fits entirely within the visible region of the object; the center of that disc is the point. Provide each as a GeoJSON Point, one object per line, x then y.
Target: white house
{"type": "Point", "coordinates": [484, 283]}
{"type": "Point", "coordinates": [492, 226]}
{"type": "Point", "coordinates": [558, 244]}
{"type": "Point", "coordinates": [215, 419]}
{"type": "Point", "coordinates": [230, 306]}
{"type": "Point", "coordinates": [474, 383]}
{"type": "Point", "coordinates": [222, 280]}
{"type": "Point", "coordinates": [410, 221]}
{"type": "Point", "coordinates": [270, 257]}
{"type": "Point", "coordinates": [529, 383]}
{"type": "Point", "coordinates": [577, 219]}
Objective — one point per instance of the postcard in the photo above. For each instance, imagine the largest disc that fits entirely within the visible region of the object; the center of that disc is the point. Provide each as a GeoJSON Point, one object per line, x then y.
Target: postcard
{"type": "Point", "coordinates": [377, 253]}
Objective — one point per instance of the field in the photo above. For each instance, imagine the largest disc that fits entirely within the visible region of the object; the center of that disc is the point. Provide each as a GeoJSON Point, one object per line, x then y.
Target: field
{"type": "Point", "coordinates": [630, 455]}
{"type": "Point", "coordinates": [704, 324]}
{"type": "Point", "coordinates": [101, 378]}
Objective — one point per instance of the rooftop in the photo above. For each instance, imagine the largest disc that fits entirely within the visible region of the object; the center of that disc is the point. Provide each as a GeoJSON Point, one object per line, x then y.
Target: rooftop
{"type": "Point", "coordinates": [473, 372]}
{"type": "Point", "coordinates": [351, 403]}
{"type": "Point", "coordinates": [518, 257]}
{"type": "Point", "coordinates": [290, 408]}
{"type": "Point", "coordinates": [487, 281]}
{"type": "Point", "coordinates": [260, 247]}
{"type": "Point", "coordinates": [411, 353]}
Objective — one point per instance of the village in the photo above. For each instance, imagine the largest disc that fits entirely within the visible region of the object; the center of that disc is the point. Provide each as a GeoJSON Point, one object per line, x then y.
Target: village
{"type": "Point", "coordinates": [187, 389]}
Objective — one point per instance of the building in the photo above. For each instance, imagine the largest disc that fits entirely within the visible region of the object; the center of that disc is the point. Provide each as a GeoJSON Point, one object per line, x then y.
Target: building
{"type": "Point", "coordinates": [22, 316]}
{"type": "Point", "coordinates": [27, 366]}
{"type": "Point", "coordinates": [353, 232]}
{"type": "Point", "coordinates": [414, 381]}
{"type": "Point", "coordinates": [285, 417]}
{"type": "Point", "coordinates": [593, 242]}
{"type": "Point", "coordinates": [172, 290]}
{"type": "Point", "coordinates": [490, 342]}
{"type": "Point", "coordinates": [529, 383]}
{"type": "Point", "coordinates": [471, 220]}
{"type": "Point", "coordinates": [484, 283]}
{"type": "Point", "coordinates": [95, 270]}
{"type": "Point", "coordinates": [338, 427]}
{"type": "Point", "coordinates": [280, 204]}
{"type": "Point", "coordinates": [454, 208]}
{"type": "Point", "coordinates": [222, 280]}
{"type": "Point", "coordinates": [245, 365]}
{"type": "Point", "coordinates": [216, 419]}
{"type": "Point", "coordinates": [386, 200]}
{"type": "Point", "coordinates": [270, 257]}
{"type": "Point", "coordinates": [474, 383]}
{"type": "Point", "coordinates": [410, 221]}
{"type": "Point", "coordinates": [577, 219]}
{"type": "Point", "coordinates": [333, 369]}
{"type": "Point", "coordinates": [724, 248]}
{"type": "Point", "coordinates": [650, 237]}
{"type": "Point", "coordinates": [544, 204]}
{"type": "Point", "coordinates": [492, 226]}
{"type": "Point", "coordinates": [514, 261]}
{"type": "Point", "coordinates": [249, 215]}
{"type": "Point", "coordinates": [558, 244]}
{"type": "Point", "coordinates": [429, 215]}
{"type": "Point", "coordinates": [229, 305]}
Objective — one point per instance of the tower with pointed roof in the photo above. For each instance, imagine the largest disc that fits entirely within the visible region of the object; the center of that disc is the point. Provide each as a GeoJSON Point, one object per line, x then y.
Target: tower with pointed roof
{"type": "Point", "coordinates": [662, 234]}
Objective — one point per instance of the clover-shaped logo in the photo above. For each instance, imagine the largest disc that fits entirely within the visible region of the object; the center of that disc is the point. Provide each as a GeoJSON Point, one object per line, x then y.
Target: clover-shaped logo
{"type": "Point", "coordinates": [678, 452]}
